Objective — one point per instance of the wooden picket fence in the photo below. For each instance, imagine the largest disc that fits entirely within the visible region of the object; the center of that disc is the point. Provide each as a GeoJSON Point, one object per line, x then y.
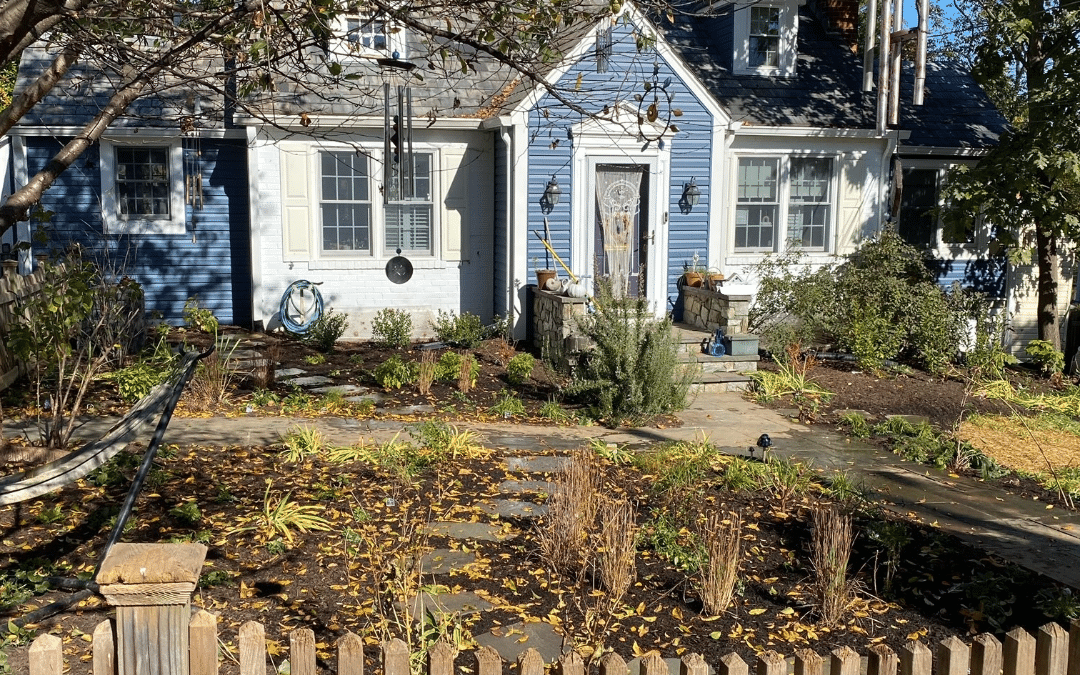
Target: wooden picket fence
{"type": "Point", "coordinates": [13, 288]}
{"type": "Point", "coordinates": [1053, 651]}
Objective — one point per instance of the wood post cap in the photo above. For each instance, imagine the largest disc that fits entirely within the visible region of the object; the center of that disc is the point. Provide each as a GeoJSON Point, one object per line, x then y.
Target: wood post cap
{"type": "Point", "coordinates": [136, 564]}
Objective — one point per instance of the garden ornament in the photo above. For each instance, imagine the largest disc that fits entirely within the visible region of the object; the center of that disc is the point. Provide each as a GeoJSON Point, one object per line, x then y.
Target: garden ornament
{"type": "Point", "coordinates": [763, 442]}
{"type": "Point", "coordinates": [714, 346]}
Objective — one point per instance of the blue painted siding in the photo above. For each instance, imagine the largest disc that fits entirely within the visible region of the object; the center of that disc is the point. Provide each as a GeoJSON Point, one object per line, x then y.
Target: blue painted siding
{"type": "Point", "coordinates": [691, 148]}
{"type": "Point", "coordinates": [985, 275]}
{"type": "Point", "coordinates": [211, 260]}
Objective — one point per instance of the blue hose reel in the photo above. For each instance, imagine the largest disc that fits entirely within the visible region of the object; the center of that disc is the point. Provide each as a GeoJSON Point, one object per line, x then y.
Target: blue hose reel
{"type": "Point", "coordinates": [301, 306]}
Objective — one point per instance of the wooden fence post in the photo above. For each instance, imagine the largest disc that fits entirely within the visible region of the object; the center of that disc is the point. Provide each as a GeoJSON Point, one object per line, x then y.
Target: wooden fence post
{"type": "Point", "coordinates": [350, 655]}
{"type": "Point", "coordinates": [1051, 650]}
{"type": "Point", "coordinates": [953, 656]}
{"type": "Point", "coordinates": [488, 661]}
{"type": "Point", "coordinates": [1074, 647]}
{"type": "Point", "coordinates": [612, 664]}
{"type": "Point", "coordinates": [441, 659]}
{"type": "Point", "coordinates": [529, 663]}
{"type": "Point", "coordinates": [693, 664]}
{"type": "Point", "coordinates": [732, 664]}
{"type": "Point", "coordinates": [771, 663]}
{"type": "Point", "coordinates": [302, 651]}
{"type": "Point", "coordinates": [104, 649]}
{"type": "Point", "coordinates": [985, 655]}
{"type": "Point", "coordinates": [47, 655]}
{"type": "Point", "coordinates": [845, 661]}
{"type": "Point", "coordinates": [1018, 652]}
{"type": "Point", "coordinates": [653, 664]}
{"type": "Point", "coordinates": [882, 661]}
{"type": "Point", "coordinates": [809, 662]}
{"type": "Point", "coordinates": [252, 646]}
{"type": "Point", "coordinates": [571, 663]}
{"type": "Point", "coordinates": [203, 638]}
{"type": "Point", "coordinates": [915, 659]}
{"type": "Point", "coordinates": [395, 657]}
{"type": "Point", "coordinates": [151, 585]}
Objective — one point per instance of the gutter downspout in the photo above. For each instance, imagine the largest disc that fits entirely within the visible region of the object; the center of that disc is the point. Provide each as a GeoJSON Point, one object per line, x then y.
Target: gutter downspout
{"type": "Point", "coordinates": [508, 141]}
{"type": "Point", "coordinates": [885, 210]}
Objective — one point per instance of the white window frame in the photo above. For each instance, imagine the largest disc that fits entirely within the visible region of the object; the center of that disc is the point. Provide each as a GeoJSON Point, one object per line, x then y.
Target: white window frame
{"type": "Point", "coordinates": [784, 204]}
{"type": "Point", "coordinates": [114, 221]}
{"type": "Point", "coordinates": [344, 48]}
{"type": "Point", "coordinates": [939, 247]}
{"type": "Point", "coordinates": [377, 236]}
{"type": "Point", "coordinates": [788, 39]}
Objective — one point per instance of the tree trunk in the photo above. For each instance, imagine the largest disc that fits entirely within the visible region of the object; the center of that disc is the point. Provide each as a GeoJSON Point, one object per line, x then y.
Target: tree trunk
{"type": "Point", "coordinates": [1046, 302]}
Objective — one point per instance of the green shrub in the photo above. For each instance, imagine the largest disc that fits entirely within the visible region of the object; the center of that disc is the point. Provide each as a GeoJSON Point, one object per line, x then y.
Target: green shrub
{"type": "Point", "coordinates": [135, 381]}
{"type": "Point", "coordinates": [507, 405]}
{"type": "Point", "coordinates": [199, 317]}
{"type": "Point", "coordinates": [633, 372]}
{"type": "Point", "coordinates": [1044, 355]}
{"type": "Point", "coordinates": [325, 331]}
{"type": "Point", "coordinates": [392, 328]}
{"type": "Point", "coordinates": [395, 373]}
{"type": "Point", "coordinates": [882, 303]}
{"type": "Point", "coordinates": [448, 368]}
{"type": "Point", "coordinates": [463, 331]}
{"type": "Point", "coordinates": [520, 368]}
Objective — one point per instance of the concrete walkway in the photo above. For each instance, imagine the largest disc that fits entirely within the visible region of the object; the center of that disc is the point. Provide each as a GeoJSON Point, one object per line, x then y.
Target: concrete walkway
{"type": "Point", "coordinates": [1025, 531]}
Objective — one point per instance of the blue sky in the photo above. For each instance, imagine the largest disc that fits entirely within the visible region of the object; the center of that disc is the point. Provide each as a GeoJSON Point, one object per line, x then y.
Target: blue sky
{"type": "Point", "coordinates": [911, 16]}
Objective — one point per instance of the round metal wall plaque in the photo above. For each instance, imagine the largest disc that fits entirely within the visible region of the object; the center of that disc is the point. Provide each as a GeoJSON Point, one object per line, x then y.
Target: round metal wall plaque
{"type": "Point", "coordinates": [399, 269]}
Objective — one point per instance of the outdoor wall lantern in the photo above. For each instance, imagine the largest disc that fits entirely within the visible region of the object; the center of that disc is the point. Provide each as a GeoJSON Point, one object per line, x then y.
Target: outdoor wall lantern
{"type": "Point", "coordinates": [552, 193]}
{"type": "Point", "coordinates": [691, 193]}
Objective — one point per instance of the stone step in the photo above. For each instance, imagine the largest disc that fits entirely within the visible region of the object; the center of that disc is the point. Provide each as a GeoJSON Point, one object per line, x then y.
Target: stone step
{"type": "Point", "coordinates": [722, 364]}
{"type": "Point", "coordinates": [721, 382]}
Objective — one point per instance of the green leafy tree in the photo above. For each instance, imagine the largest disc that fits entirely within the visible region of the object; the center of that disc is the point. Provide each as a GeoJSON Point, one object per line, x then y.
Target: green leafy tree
{"type": "Point", "coordinates": [1027, 57]}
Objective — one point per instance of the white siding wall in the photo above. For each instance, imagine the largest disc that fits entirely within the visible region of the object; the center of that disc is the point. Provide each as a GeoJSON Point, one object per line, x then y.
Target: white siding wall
{"type": "Point", "coordinates": [360, 288]}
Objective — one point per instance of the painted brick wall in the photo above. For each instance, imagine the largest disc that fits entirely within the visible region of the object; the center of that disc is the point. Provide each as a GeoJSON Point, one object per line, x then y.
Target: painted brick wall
{"type": "Point", "coordinates": [362, 291]}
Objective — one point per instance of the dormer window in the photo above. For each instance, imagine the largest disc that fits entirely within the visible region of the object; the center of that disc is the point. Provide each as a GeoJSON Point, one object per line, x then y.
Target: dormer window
{"type": "Point", "coordinates": [765, 38]}
{"type": "Point", "coordinates": [367, 35]}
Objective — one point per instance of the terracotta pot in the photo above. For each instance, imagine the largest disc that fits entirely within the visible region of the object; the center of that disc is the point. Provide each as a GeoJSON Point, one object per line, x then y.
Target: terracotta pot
{"type": "Point", "coordinates": [716, 281]}
{"type": "Point", "coordinates": [694, 279]}
{"type": "Point", "coordinates": [542, 277]}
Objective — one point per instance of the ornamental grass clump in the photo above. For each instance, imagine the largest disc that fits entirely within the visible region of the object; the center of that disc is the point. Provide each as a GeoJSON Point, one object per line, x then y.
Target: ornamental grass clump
{"type": "Point", "coordinates": [831, 543]}
{"type": "Point", "coordinates": [571, 513]}
{"type": "Point", "coordinates": [722, 536]}
{"type": "Point", "coordinates": [616, 544]}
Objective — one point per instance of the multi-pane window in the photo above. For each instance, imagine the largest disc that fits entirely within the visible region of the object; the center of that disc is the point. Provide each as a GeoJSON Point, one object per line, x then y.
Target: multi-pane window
{"type": "Point", "coordinates": [345, 202]}
{"type": "Point", "coordinates": [809, 201]}
{"type": "Point", "coordinates": [918, 224]}
{"type": "Point", "coordinates": [409, 216]}
{"type": "Point", "coordinates": [764, 37]}
{"type": "Point", "coordinates": [351, 208]}
{"type": "Point", "coordinates": [758, 205]}
{"type": "Point", "coordinates": [784, 201]}
{"type": "Point", "coordinates": [366, 33]}
{"type": "Point", "coordinates": [142, 182]}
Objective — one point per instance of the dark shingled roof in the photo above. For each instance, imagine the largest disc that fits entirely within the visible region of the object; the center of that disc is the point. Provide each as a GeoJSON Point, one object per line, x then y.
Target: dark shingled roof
{"type": "Point", "coordinates": [827, 88]}
{"type": "Point", "coordinates": [825, 92]}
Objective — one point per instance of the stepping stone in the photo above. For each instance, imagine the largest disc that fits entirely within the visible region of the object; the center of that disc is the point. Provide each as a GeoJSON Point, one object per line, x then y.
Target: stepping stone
{"type": "Point", "coordinates": [444, 561]}
{"type": "Point", "coordinates": [372, 396]}
{"type": "Point", "coordinates": [479, 531]}
{"type": "Point", "coordinates": [513, 508]}
{"type": "Point", "coordinates": [511, 640]}
{"type": "Point", "coordinates": [286, 373]}
{"type": "Point", "coordinates": [412, 410]}
{"type": "Point", "coordinates": [460, 604]}
{"type": "Point", "coordinates": [340, 388]}
{"type": "Point", "coordinates": [848, 411]}
{"type": "Point", "coordinates": [531, 443]}
{"type": "Point", "coordinates": [539, 464]}
{"type": "Point", "coordinates": [309, 381]}
{"type": "Point", "coordinates": [915, 420]}
{"type": "Point", "coordinates": [539, 486]}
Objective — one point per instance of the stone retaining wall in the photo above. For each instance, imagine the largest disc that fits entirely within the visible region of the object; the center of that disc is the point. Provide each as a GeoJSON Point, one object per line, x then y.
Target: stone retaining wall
{"type": "Point", "coordinates": [708, 310]}
{"type": "Point", "coordinates": [556, 326]}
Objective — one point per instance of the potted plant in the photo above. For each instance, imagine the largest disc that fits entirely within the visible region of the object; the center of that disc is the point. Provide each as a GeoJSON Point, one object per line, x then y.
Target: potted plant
{"type": "Point", "coordinates": [542, 276]}
{"type": "Point", "coordinates": [714, 280]}
{"type": "Point", "coordinates": [693, 273]}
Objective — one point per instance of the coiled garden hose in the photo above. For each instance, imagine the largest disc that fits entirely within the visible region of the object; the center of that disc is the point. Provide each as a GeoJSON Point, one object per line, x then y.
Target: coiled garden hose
{"type": "Point", "coordinates": [295, 313]}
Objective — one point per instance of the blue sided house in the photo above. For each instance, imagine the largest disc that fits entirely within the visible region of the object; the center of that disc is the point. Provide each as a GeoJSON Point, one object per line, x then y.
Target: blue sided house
{"type": "Point", "coordinates": [721, 136]}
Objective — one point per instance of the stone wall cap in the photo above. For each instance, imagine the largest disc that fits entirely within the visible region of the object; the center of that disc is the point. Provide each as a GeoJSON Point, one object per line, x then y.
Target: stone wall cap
{"type": "Point", "coordinates": [739, 291]}
{"type": "Point", "coordinates": [152, 564]}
